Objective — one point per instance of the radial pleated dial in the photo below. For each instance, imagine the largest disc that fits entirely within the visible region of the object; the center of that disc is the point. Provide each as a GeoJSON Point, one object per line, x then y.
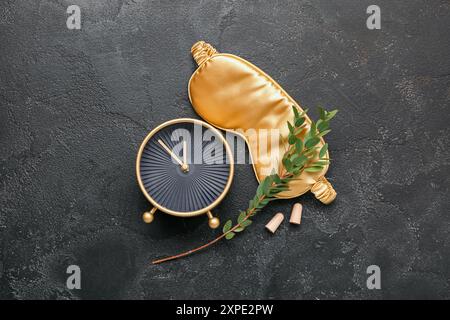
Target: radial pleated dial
{"type": "Point", "coordinates": [185, 167]}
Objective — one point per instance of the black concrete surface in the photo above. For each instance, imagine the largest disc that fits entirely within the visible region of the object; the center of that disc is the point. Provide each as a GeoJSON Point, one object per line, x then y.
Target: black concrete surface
{"type": "Point", "coordinates": [75, 106]}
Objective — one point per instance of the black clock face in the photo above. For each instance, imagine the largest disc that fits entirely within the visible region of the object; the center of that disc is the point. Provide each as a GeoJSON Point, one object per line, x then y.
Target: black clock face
{"type": "Point", "coordinates": [185, 167]}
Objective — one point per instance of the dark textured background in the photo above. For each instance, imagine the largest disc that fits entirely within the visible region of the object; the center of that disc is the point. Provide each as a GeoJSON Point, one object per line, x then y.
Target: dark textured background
{"type": "Point", "coordinates": [75, 106]}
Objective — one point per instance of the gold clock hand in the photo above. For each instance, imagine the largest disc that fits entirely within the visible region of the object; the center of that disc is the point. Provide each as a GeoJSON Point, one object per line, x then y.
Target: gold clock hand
{"type": "Point", "coordinates": [184, 166]}
{"type": "Point", "coordinates": [185, 152]}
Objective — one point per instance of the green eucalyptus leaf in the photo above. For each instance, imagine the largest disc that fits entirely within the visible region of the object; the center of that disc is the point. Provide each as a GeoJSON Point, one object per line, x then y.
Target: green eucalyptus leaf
{"type": "Point", "coordinates": [230, 235]}
{"type": "Point", "coordinates": [296, 114]}
{"type": "Point", "coordinates": [242, 216]}
{"type": "Point", "coordinates": [291, 128]}
{"type": "Point", "coordinates": [322, 125]}
{"type": "Point", "coordinates": [276, 178]}
{"type": "Point", "coordinates": [312, 142]}
{"type": "Point", "coordinates": [262, 187]}
{"type": "Point", "coordinates": [299, 145]}
{"type": "Point", "coordinates": [292, 138]}
{"type": "Point", "coordinates": [287, 164]}
{"type": "Point", "coordinates": [313, 129]}
{"type": "Point", "coordinates": [301, 160]}
{"type": "Point", "coordinates": [299, 122]}
{"type": "Point", "coordinates": [278, 190]}
{"type": "Point", "coordinates": [321, 134]}
{"type": "Point", "coordinates": [246, 223]}
{"type": "Point", "coordinates": [259, 193]}
{"type": "Point", "coordinates": [293, 157]}
{"type": "Point", "coordinates": [318, 122]}
{"type": "Point", "coordinates": [266, 185]}
{"type": "Point", "coordinates": [322, 113]}
{"type": "Point", "coordinates": [227, 226]}
{"type": "Point", "coordinates": [313, 169]}
{"type": "Point", "coordinates": [331, 114]}
{"type": "Point", "coordinates": [321, 162]}
{"type": "Point", "coordinates": [239, 229]}
{"type": "Point", "coordinates": [310, 153]}
{"type": "Point", "coordinates": [323, 151]}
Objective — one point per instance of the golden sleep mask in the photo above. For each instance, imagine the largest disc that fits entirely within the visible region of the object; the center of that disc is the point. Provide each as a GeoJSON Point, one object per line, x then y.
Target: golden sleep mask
{"type": "Point", "coordinates": [234, 95]}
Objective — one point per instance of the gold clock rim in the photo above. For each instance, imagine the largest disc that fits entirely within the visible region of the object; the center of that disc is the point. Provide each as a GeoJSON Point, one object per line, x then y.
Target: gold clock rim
{"type": "Point", "coordinates": [179, 213]}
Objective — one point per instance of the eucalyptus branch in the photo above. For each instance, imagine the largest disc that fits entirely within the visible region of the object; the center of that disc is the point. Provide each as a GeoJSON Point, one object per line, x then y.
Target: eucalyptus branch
{"type": "Point", "coordinates": [301, 155]}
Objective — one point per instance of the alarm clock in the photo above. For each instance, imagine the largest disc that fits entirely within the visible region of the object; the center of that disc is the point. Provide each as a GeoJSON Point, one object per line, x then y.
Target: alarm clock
{"type": "Point", "coordinates": [185, 168]}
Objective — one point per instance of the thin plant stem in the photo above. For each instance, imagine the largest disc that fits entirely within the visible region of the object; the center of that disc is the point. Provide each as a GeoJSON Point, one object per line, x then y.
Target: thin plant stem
{"type": "Point", "coordinates": [210, 243]}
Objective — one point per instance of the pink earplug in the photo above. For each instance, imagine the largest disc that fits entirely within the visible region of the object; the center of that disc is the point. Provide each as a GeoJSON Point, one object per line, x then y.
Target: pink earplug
{"type": "Point", "coordinates": [273, 224]}
{"type": "Point", "coordinates": [296, 214]}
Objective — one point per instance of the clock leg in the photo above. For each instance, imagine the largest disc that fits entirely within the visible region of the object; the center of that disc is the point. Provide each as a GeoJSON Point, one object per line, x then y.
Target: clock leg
{"type": "Point", "coordinates": [149, 216]}
{"type": "Point", "coordinates": [213, 222]}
